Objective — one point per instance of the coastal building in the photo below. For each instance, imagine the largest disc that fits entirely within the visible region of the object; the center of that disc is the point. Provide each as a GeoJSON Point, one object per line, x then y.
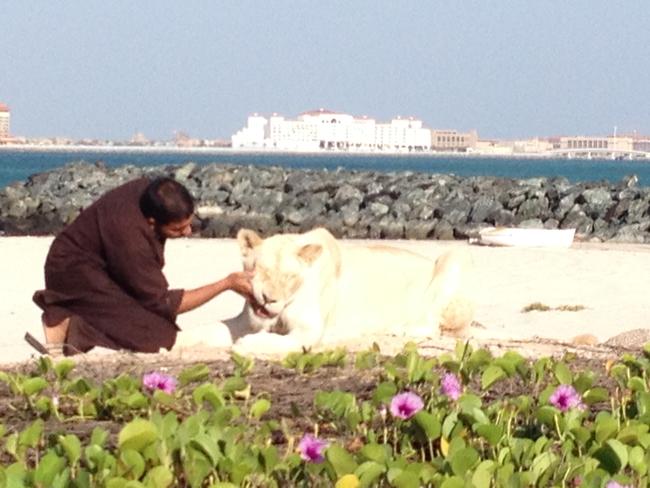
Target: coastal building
{"type": "Point", "coordinates": [323, 129]}
{"type": "Point", "coordinates": [451, 140]}
{"type": "Point", "coordinates": [534, 146]}
{"type": "Point", "coordinates": [641, 143]}
{"type": "Point", "coordinates": [606, 143]}
{"type": "Point", "coordinates": [494, 147]}
{"type": "Point", "coordinates": [5, 116]}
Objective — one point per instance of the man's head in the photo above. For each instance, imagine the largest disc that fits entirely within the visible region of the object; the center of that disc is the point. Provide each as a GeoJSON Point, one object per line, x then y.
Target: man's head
{"type": "Point", "coordinates": [168, 207]}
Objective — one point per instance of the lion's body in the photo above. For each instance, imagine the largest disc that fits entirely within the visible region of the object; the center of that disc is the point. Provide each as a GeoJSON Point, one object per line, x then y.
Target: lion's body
{"type": "Point", "coordinates": [309, 285]}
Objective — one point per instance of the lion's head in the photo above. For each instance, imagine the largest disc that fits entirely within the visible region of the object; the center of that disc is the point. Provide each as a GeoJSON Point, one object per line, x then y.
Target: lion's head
{"type": "Point", "coordinates": [280, 265]}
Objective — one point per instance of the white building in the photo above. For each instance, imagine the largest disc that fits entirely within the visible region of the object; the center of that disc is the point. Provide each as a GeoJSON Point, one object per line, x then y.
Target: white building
{"type": "Point", "coordinates": [326, 130]}
{"type": "Point", "coordinates": [5, 115]}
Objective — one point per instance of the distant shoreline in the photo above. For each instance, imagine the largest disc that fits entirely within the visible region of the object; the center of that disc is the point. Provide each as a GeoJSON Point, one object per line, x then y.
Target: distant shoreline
{"type": "Point", "coordinates": [73, 148]}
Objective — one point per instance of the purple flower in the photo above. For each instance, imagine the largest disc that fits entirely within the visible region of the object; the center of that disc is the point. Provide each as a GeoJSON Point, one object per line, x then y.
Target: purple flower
{"type": "Point", "coordinates": [159, 381]}
{"type": "Point", "coordinates": [312, 448]}
{"type": "Point", "coordinates": [565, 397]}
{"type": "Point", "coordinates": [405, 405]}
{"type": "Point", "coordinates": [450, 386]}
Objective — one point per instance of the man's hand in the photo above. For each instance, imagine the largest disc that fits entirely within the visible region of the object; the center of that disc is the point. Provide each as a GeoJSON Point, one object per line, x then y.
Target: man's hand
{"type": "Point", "coordinates": [240, 282]}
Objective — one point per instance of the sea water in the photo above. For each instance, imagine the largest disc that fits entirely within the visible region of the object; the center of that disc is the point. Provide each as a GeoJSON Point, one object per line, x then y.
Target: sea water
{"type": "Point", "coordinates": [18, 165]}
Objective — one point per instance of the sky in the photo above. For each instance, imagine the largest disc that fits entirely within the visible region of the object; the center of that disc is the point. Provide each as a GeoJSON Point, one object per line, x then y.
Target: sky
{"type": "Point", "coordinates": [506, 68]}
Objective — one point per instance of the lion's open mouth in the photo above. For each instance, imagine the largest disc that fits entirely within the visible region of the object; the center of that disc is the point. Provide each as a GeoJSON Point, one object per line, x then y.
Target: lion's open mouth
{"type": "Point", "coordinates": [262, 311]}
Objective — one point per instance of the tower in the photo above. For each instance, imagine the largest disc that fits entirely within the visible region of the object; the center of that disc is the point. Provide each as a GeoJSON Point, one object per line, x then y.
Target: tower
{"type": "Point", "coordinates": [5, 115]}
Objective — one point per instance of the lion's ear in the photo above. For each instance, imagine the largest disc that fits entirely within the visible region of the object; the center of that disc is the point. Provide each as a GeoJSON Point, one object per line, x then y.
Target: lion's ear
{"type": "Point", "coordinates": [309, 252]}
{"type": "Point", "coordinates": [248, 240]}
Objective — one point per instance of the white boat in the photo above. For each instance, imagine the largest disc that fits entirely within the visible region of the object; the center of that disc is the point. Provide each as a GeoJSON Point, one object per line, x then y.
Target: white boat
{"type": "Point", "coordinates": [514, 236]}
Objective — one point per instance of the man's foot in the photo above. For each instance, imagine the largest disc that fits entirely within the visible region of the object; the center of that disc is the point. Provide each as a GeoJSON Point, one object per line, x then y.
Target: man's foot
{"type": "Point", "coordinates": [57, 333]}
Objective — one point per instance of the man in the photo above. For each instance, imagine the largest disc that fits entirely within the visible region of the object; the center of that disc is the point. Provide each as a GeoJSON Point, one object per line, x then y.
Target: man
{"type": "Point", "coordinates": [104, 284]}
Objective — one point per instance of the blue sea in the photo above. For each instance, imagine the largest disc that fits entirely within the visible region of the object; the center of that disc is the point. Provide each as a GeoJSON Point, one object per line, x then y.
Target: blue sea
{"type": "Point", "coordinates": [17, 165]}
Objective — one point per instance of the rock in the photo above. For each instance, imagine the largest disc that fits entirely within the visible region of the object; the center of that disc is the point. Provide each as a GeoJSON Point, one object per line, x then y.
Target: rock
{"type": "Point", "coordinates": [630, 339]}
{"type": "Point", "coordinates": [355, 204]}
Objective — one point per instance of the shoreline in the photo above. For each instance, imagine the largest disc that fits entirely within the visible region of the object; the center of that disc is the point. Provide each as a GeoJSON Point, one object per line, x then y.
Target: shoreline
{"type": "Point", "coordinates": [608, 280]}
{"type": "Point", "coordinates": [81, 148]}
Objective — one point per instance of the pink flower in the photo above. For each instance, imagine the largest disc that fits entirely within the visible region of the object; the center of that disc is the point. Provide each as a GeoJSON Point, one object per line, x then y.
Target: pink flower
{"type": "Point", "coordinates": [565, 397]}
{"type": "Point", "coordinates": [312, 448]}
{"type": "Point", "coordinates": [405, 405]}
{"type": "Point", "coordinates": [616, 484]}
{"type": "Point", "coordinates": [450, 386]}
{"type": "Point", "coordinates": [159, 381]}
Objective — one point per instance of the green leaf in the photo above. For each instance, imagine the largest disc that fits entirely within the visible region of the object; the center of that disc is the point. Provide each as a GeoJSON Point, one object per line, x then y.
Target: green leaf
{"type": "Point", "coordinates": [637, 384]}
{"type": "Point", "coordinates": [463, 460]}
{"type": "Point", "coordinates": [612, 456]}
{"type": "Point", "coordinates": [341, 460]}
{"type": "Point", "coordinates": [563, 374]}
{"type": "Point", "coordinates": [72, 447]}
{"type": "Point", "coordinates": [48, 467]}
{"type": "Point", "coordinates": [584, 381]}
{"type": "Point", "coordinates": [35, 385]}
{"type": "Point", "coordinates": [99, 437]}
{"type": "Point", "coordinates": [491, 375]}
{"type": "Point", "coordinates": [453, 482]}
{"type": "Point", "coordinates": [269, 458]}
{"type": "Point", "coordinates": [546, 415]}
{"type": "Point", "coordinates": [63, 367]}
{"type": "Point", "coordinates": [374, 452]}
{"type": "Point", "coordinates": [484, 474]}
{"type": "Point", "coordinates": [637, 460]}
{"type": "Point", "coordinates": [631, 435]}
{"type": "Point", "coordinates": [369, 473]}
{"type": "Point", "coordinates": [208, 392]}
{"type": "Point", "coordinates": [137, 434]}
{"type": "Point", "coordinates": [595, 395]}
{"type": "Point", "coordinates": [384, 393]}
{"type": "Point", "coordinates": [208, 446]}
{"type": "Point", "coordinates": [540, 464]}
{"type": "Point", "coordinates": [490, 432]}
{"type": "Point", "coordinates": [606, 427]}
{"type": "Point", "coordinates": [406, 479]}
{"type": "Point", "coordinates": [31, 436]}
{"type": "Point", "coordinates": [478, 359]}
{"type": "Point", "coordinates": [133, 463]}
{"type": "Point", "coordinates": [234, 384]}
{"type": "Point", "coordinates": [193, 374]}
{"type": "Point", "coordinates": [196, 467]}
{"type": "Point", "coordinates": [429, 424]}
{"type": "Point", "coordinates": [259, 408]}
{"type": "Point", "coordinates": [158, 477]}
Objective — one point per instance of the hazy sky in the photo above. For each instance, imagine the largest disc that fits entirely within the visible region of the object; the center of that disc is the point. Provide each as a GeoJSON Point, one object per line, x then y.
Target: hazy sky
{"type": "Point", "coordinates": [507, 68]}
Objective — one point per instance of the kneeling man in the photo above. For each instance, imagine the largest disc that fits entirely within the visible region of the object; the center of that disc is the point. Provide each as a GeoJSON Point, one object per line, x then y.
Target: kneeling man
{"type": "Point", "coordinates": [104, 284]}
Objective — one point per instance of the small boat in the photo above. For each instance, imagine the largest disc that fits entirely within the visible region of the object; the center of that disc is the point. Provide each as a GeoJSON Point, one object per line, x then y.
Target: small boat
{"type": "Point", "coordinates": [514, 236]}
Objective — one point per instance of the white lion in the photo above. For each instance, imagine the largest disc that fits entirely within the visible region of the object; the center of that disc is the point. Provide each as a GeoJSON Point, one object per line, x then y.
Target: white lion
{"type": "Point", "coordinates": [308, 285]}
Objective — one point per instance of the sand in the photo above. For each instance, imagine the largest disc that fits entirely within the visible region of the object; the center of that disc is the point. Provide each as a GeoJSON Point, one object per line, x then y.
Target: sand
{"type": "Point", "coordinates": [607, 283]}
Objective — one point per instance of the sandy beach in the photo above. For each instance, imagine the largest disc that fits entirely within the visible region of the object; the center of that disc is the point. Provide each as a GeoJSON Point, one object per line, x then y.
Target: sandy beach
{"type": "Point", "coordinates": [607, 283]}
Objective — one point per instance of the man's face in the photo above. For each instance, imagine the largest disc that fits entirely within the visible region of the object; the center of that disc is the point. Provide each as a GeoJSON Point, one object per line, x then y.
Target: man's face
{"type": "Point", "coordinates": [171, 230]}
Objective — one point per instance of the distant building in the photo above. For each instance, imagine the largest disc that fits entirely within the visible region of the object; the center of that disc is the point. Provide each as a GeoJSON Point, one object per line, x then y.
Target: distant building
{"type": "Point", "coordinates": [328, 130]}
{"type": "Point", "coordinates": [641, 143]}
{"type": "Point", "coordinates": [5, 116]}
{"type": "Point", "coordinates": [611, 143]}
{"type": "Point", "coordinates": [451, 140]}
{"type": "Point", "coordinates": [532, 146]}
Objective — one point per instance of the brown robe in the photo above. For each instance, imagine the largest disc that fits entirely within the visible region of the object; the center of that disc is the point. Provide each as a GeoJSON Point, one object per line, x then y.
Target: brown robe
{"type": "Point", "coordinates": [104, 271]}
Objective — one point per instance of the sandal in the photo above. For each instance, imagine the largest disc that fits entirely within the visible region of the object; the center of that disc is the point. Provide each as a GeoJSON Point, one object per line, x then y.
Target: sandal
{"type": "Point", "coordinates": [54, 349]}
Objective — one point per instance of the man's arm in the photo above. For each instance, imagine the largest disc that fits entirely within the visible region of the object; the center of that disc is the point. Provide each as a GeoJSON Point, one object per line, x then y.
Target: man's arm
{"type": "Point", "coordinates": [238, 282]}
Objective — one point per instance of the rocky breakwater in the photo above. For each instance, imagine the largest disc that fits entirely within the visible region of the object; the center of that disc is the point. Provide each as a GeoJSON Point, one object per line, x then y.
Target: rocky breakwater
{"type": "Point", "coordinates": [352, 204]}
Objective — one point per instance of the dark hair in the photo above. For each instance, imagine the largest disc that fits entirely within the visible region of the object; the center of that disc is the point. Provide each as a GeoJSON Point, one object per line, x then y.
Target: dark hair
{"type": "Point", "coordinates": [166, 200]}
